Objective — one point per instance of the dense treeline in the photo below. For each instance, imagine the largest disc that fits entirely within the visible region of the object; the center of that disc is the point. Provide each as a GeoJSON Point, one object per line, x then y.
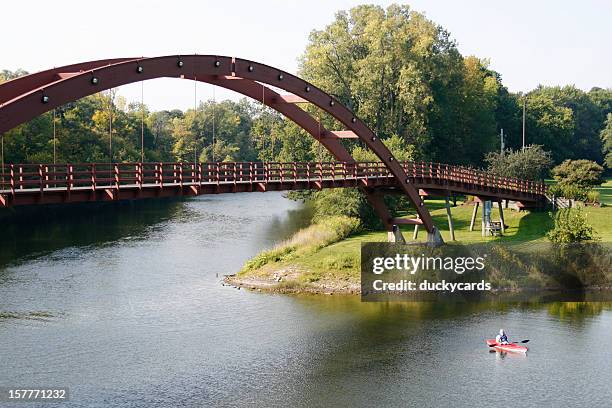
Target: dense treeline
{"type": "Point", "coordinates": [399, 71]}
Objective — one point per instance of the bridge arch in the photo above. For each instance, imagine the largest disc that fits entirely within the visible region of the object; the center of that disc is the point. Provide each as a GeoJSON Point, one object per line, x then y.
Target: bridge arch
{"type": "Point", "coordinates": [24, 98]}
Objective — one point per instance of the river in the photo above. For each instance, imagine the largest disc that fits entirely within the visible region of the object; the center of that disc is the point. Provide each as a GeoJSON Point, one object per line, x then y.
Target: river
{"type": "Point", "coordinates": [124, 305]}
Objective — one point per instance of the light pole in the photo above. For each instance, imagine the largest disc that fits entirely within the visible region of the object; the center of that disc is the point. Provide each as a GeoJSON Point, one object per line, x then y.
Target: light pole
{"type": "Point", "coordinates": [524, 109]}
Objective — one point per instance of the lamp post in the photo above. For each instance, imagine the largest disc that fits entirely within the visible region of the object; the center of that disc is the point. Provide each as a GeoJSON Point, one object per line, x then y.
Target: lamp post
{"type": "Point", "coordinates": [524, 110]}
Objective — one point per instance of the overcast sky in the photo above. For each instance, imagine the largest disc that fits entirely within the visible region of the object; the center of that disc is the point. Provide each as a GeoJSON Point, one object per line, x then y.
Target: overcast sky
{"type": "Point", "coordinates": [529, 42]}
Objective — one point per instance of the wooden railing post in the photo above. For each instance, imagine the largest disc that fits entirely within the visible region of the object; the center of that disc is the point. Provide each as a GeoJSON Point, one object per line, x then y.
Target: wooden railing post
{"type": "Point", "coordinates": [117, 175]}
{"type": "Point", "coordinates": [70, 177]}
{"type": "Point", "coordinates": [139, 175]}
{"type": "Point", "coordinates": [40, 178]}
{"type": "Point", "coordinates": [12, 178]}
{"type": "Point", "coordinates": [46, 172]}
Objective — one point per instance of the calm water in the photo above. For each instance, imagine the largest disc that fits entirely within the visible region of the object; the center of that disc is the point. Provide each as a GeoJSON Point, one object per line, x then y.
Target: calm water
{"type": "Point", "coordinates": [124, 306]}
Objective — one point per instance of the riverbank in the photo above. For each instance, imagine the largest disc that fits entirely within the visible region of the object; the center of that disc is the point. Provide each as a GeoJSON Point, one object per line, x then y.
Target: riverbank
{"type": "Point", "coordinates": [300, 265]}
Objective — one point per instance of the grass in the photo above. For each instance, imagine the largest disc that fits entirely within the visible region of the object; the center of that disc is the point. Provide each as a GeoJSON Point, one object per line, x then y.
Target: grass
{"type": "Point", "coordinates": [605, 192]}
{"type": "Point", "coordinates": [323, 255]}
{"type": "Point", "coordinates": [305, 242]}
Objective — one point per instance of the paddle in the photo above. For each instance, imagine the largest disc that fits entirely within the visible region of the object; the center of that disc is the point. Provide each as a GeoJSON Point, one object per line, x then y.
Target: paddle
{"type": "Point", "coordinates": [514, 342]}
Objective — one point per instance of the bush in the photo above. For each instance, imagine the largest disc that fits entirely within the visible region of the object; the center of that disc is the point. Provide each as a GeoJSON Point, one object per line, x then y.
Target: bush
{"type": "Point", "coordinates": [592, 196]}
{"type": "Point", "coordinates": [571, 226]}
{"type": "Point", "coordinates": [555, 190]}
{"type": "Point", "coordinates": [582, 173]}
{"type": "Point", "coordinates": [574, 192]}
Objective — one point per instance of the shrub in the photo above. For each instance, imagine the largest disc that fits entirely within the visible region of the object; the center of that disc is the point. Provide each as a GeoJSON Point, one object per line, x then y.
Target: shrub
{"type": "Point", "coordinates": [574, 192]}
{"type": "Point", "coordinates": [571, 226]}
{"type": "Point", "coordinates": [592, 196]}
{"type": "Point", "coordinates": [555, 190]}
{"type": "Point", "coordinates": [581, 173]}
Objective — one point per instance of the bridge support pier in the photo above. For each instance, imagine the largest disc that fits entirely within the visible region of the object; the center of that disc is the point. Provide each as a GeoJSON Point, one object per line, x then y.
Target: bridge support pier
{"type": "Point", "coordinates": [434, 238]}
{"type": "Point", "coordinates": [476, 204]}
{"type": "Point", "coordinates": [501, 216]}
{"type": "Point", "coordinates": [483, 223]}
{"type": "Point", "coordinates": [451, 227]}
{"type": "Point", "coordinates": [395, 235]}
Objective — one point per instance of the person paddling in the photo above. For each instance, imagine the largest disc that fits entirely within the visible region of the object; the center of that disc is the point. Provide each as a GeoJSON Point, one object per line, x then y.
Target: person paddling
{"type": "Point", "coordinates": [501, 338]}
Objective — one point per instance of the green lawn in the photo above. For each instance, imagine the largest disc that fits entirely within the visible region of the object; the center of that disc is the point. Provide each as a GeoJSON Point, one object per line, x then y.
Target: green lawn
{"type": "Point", "coordinates": [605, 192]}
{"type": "Point", "coordinates": [340, 261]}
{"type": "Point", "coordinates": [524, 226]}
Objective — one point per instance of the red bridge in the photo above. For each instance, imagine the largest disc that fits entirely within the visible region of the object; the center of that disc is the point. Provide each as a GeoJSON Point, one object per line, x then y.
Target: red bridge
{"type": "Point", "coordinates": [27, 184]}
{"type": "Point", "coordinates": [24, 98]}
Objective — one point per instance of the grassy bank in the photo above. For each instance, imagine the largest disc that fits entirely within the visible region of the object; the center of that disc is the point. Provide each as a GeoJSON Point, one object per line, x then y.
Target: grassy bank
{"type": "Point", "coordinates": [326, 256]}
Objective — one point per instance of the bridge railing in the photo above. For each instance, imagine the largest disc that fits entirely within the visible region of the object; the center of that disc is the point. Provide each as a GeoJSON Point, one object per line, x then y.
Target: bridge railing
{"type": "Point", "coordinates": [462, 174]}
{"type": "Point", "coordinates": [18, 177]}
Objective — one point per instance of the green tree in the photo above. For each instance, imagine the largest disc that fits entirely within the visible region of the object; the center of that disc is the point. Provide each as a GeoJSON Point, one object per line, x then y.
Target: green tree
{"type": "Point", "coordinates": [351, 202]}
{"type": "Point", "coordinates": [580, 173]}
{"type": "Point", "coordinates": [404, 76]}
{"type": "Point", "coordinates": [606, 139]}
{"type": "Point", "coordinates": [532, 163]}
{"type": "Point", "coordinates": [567, 121]}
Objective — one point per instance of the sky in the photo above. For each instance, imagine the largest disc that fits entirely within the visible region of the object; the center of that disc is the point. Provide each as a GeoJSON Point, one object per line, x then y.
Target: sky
{"type": "Point", "coordinates": [529, 42]}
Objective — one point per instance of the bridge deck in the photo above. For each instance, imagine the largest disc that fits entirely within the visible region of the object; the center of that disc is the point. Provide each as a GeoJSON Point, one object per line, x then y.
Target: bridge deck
{"type": "Point", "coordinates": [27, 184]}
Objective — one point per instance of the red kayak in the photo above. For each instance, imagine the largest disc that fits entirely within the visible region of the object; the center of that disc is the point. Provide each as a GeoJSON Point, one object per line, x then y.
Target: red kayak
{"type": "Point", "coordinates": [507, 347]}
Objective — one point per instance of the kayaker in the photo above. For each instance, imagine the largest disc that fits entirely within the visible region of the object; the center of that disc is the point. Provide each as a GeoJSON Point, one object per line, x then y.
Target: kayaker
{"type": "Point", "coordinates": [501, 338]}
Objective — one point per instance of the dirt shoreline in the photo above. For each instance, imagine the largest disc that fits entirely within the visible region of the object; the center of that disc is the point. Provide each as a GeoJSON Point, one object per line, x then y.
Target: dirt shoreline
{"type": "Point", "coordinates": [282, 281]}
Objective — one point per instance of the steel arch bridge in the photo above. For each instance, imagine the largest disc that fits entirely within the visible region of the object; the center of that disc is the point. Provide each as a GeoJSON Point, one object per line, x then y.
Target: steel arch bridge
{"type": "Point", "coordinates": [24, 98]}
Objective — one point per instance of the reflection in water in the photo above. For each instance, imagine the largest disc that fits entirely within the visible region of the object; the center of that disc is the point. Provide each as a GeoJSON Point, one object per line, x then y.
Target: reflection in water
{"type": "Point", "coordinates": [124, 305]}
{"type": "Point", "coordinates": [577, 311]}
{"type": "Point", "coordinates": [36, 231]}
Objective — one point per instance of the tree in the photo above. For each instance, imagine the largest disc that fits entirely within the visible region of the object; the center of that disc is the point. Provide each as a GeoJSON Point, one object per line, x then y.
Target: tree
{"type": "Point", "coordinates": [7, 75]}
{"type": "Point", "coordinates": [352, 202]}
{"type": "Point", "coordinates": [580, 173]}
{"type": "Point", "coordinates": [567, 121]}
{"type": "Point", "coordinates": [404, 76]}
{"type": "Point", "coordinates": [221, 151]}
{"type": "Point", "coordinates": [606, 139]}
{"type": "Point", "coordinates": [531, 163]}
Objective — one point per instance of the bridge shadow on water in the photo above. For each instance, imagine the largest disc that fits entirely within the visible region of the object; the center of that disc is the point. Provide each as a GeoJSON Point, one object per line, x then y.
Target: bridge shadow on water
{"type": "Point", "coordinates": [29, 232]}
